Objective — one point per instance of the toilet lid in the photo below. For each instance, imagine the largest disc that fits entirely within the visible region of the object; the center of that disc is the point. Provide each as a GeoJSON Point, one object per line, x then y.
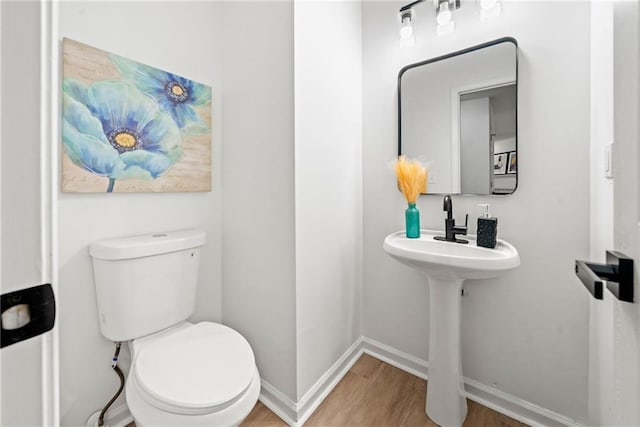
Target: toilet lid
{"type": "Point", "coordinates": [200, 369]}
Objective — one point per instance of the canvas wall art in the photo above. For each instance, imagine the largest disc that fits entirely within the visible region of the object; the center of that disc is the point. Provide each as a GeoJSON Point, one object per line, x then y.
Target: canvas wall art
{"type": "Point", "coordinates": [129, 127]}
{"type": "Point", "coordinates": [513, 163]}
{"type": "Point", "coordinates": [500, 163]}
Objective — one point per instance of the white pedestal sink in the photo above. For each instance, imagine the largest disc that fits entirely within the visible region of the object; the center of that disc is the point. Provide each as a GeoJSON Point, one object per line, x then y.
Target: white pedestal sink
{"type": "Point", "coordinates": [447, 265]}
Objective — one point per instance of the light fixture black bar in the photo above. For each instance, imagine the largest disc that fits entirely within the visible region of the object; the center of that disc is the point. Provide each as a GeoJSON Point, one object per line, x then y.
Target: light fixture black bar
{"type": "Point", "coordinates": [410, 5]}
{"type": "Point", "coordinates": [454, 3]}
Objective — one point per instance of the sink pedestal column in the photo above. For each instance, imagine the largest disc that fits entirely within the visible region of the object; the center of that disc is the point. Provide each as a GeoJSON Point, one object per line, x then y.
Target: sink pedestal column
{"type": "Point", "coordinates": [446, 399]}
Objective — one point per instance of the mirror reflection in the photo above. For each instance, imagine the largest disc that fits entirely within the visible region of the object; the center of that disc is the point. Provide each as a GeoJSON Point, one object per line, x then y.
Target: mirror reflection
{"type": "Point", "coordinates": [458, 112]}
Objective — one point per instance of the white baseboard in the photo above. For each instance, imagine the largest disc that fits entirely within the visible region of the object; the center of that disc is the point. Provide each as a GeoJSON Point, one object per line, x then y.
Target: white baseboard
{"type": "Point", "coordinates": [394, 357]}
{"type": "Point", "coordinates": [515, 407]}
{"type": "Point", "coordinates": [321, 389]}
{"type": "Point", "coordinates": [278, 403]}
{"type": "Point", "coordinates": [490, 397]}
{"type": "Point", "coordinates": [296, 414]}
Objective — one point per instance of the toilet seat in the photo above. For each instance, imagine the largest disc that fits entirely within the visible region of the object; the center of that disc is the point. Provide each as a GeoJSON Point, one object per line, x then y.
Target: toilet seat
{"type": "Point", "coordinates": [193, 370]}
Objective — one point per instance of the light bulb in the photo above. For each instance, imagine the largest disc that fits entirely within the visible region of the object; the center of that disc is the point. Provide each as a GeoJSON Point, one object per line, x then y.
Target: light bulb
{"type": "Point", "coordinates": [489, 9]}
{"type": "Point", "coordinates": [406, 31]}
{"type": "Point", "coordinates": [444, 14]}
{"type": "Point", "coordinates": [487, 4]}
{"type": "Point", "coordinates": [406, 28]}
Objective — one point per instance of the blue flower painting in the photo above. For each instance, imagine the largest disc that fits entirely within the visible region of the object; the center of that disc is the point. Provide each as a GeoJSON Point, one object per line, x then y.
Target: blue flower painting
{"type": "Point", "coordinates": [176, 94]}
{"type": "Point", "coordinates": [130, 127]}
{"type": "Point", "coordinates": [112, 129]}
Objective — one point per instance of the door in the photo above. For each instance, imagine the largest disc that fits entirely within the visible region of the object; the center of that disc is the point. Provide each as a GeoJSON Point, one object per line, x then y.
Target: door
{"type": "Point", "coordinates": [28, 395]}
{"type": "Point", "coordinates": [626, 218]}
{"type": "Point", "coordinates": [614, 337]}
{"type": "Point", "coordinates": [475, 143]}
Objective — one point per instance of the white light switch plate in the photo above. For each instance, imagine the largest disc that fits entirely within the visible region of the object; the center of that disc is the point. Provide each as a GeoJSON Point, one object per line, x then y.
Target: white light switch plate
{"type": "Point", "coordinates": [608, 160]}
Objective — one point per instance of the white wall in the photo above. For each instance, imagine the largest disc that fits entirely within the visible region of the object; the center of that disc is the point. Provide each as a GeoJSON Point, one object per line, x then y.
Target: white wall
{"type": "Point", "coordinates": [504, 145]}
{"type": "Point", "coordinates": [258, 297]}
{"type": "Point", "coordinates": [525, 333]}
{"type": "Point", "coordinates": [295, 291]}
{"type": "Point", "coordinates": [185, 38]}
{"type": "Point", "coordinates": [328, 184]}
{"type": "Point", "coordinates": [20, 264]}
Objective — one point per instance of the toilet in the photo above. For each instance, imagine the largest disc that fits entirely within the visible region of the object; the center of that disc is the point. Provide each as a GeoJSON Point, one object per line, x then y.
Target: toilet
{"type": "Point", "coordinates": [182, 373]}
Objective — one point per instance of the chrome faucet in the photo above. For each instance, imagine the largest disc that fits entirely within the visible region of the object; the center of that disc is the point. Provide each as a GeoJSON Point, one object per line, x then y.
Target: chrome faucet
{"type": "Point", "coordinates": [450, 227]}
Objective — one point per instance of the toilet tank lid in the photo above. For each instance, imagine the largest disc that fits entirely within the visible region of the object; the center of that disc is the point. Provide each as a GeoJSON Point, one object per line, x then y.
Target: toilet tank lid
{"type": "Point", "coordinates": [147, 244]}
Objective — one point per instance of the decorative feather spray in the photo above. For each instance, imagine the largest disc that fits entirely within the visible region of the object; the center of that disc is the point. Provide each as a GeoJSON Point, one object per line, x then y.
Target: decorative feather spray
{"type": "Point", "coordinates": [412, 180]}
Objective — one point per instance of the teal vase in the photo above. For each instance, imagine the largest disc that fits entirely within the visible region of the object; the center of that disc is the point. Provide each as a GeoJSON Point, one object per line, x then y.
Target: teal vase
{"type": "Point", "coordinates": [412, 219]}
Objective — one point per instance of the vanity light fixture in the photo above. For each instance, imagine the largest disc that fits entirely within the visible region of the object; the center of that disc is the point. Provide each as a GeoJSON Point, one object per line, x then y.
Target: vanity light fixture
{"type": "Point", "coordinates": [489, 9]}
{"type": "Point", "coordinates": [444, 17]}
{"type": "Point", "coordinates": [406, 18]}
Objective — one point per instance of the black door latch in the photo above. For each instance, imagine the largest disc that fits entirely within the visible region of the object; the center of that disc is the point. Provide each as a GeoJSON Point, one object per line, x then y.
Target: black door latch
{"type": "Point", "coordinates": [26, 313]}
{"type": "Point", "coordinates": [617, 272]}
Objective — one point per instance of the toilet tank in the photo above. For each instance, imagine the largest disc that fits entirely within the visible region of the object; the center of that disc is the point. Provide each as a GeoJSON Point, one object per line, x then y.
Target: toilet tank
{"type": "Point", "coordinates": [145, 283]}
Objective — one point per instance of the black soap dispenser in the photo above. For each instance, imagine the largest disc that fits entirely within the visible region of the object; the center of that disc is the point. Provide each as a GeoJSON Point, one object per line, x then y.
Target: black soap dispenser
{"type": "Point", "coordinates": [487, 229]}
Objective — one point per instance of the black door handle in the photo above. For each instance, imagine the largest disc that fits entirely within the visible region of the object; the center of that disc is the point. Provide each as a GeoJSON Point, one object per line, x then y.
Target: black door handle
{"type": "Point", "coordinates": [617, 272]}
{"type": "Point", "coordinates": [26, 313]}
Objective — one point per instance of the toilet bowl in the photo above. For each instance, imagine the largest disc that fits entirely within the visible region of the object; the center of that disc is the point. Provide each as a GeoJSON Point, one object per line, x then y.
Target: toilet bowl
{"type": "Point", "coordinates": [200, 374]}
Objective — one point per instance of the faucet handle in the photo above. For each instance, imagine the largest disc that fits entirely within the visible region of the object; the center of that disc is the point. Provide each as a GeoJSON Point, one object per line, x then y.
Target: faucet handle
{"type": "Point", "coordinates": [462, 229]}
{"type": "Point", "coordinates": [466, 223]}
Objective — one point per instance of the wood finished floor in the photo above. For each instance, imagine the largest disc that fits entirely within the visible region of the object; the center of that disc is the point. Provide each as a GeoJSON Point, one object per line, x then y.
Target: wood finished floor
{"type": "Point", "coordinates": [376, 394]}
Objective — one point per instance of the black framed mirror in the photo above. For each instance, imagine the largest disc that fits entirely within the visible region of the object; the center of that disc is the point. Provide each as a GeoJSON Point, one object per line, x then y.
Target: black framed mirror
{"type": "Point", "coordinates": [459, 113]}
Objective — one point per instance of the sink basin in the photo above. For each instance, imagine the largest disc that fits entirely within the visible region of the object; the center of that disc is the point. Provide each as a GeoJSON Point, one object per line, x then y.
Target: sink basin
{"type": "Point", "coordinates": [448, 259]}
{"type": "Point", "coordinates": [447, 265]}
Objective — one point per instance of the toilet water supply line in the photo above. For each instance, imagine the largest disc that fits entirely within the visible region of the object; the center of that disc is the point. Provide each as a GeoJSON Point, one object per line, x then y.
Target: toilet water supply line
{"type": "Point", "coordinates": [114, 365]}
